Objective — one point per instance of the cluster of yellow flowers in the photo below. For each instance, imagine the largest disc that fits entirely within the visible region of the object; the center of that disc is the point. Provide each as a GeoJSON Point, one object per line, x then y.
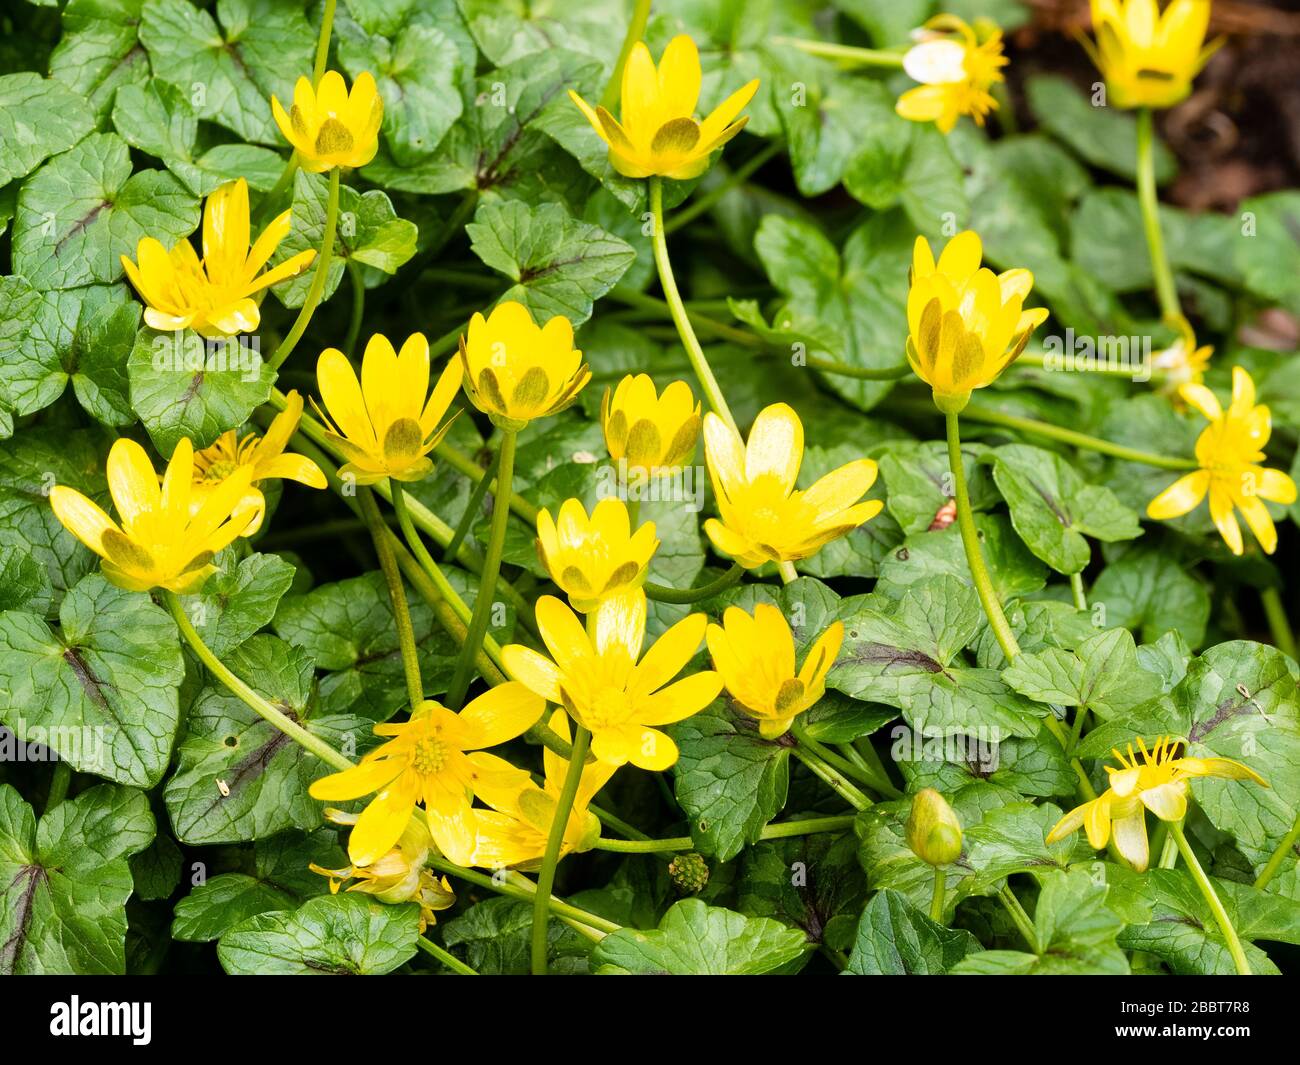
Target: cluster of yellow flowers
{"type": "Point", "coordinates": [966, 324]}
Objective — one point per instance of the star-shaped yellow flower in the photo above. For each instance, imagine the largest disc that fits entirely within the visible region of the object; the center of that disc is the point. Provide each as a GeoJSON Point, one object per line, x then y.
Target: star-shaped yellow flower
{"type": "Point", "coordinates": [1158, 782]}
{"type": "Point", "coordinates": [1229, 450]}
{"type": "Point", "coordinates": [764, 518]}
{"type": "Point", "coordinates": [659, 134]}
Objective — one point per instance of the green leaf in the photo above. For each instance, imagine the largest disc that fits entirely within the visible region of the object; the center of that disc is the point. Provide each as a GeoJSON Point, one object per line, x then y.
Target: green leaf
{"type": "Point", "coordinates": [897, 939]}
{"type": "Point", "coordinates": [846, 305]}
{"type": "Point", "coordinates": [29, 467]}
{"type": "Point", "coordinates": [39, 117]}
{"type": "Point", "coordinates": [238, 600]}
{"type": "Point", "coordinates": [1032, 766]}
{"type": "Point", "coordinates": [1076, 932]}
{"type": "Point", "coordinates": [348, 628]}
{"type": "Point", "coordinates": [1183, 931]}
{"type": "Point", "coordinates": [82, 211]}
{"type": "Point", "coordinates": [515, 29]}
{"type": "Point", "coordinates": [496, 937]}
{"type": "Point", "coordinates": [265, 774]}
{"type": "Point", "coordinates": [66, 880]}
{"type": "Point", "coordinates": [100, 50]}
{"type": "Point", "coordinates": [230, 74]}
{"type": "Point", "coordinates": [369, 232]}
{"type": "Point", "coordinates": [919, 482]}
{"type": "Point", "coordinates": [560, 266]}
{"type": "Point", "coordinates": [182, 385]}
{"type": "Point", "coordinates": [157, 118]}
{"type": "Point", "coordinates": [1102, 136]}
{"type": "Point", "coordinates": [1269, 261]}
{"type": "Point", "coordinates": [696, 939]}
{"type": "Point", "coordinates": [1152, 593]}
{"type": "Point", "coordinates": [277, 878]}
{"type": "Point", "coordinates": [82, 335]}
{"type": "Point", "coordinates": [904, 654]}
{"type": "Point", "coordinates": [333, 935]}
{"type": "Point", "coordinates": [728, 779]}
{"type": "Point", "coordinates": [24, 584]}
{"type": "Point", "coordinates": [1011, 839]}
{"type": "Point", "coordinates": [104, 691]}
{"type": "Point", "coordinates": [1103, 675]}
{"type": "Point", "coordinates": [1052, 507]}
{"type": "Point", "coordinates": [156, 870]}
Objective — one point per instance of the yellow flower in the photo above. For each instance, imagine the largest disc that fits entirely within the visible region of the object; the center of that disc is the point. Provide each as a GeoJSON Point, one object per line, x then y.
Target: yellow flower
{"type": "Point", "coordinates": [161, 542]}
{"type": "Point", "coordinates": [214, 295]}
{"type": "Point", "coordinates": [383, 423]}
{"type": "Point", "coordinates": [956, 72]}
{"type": "Point", "coordinates": [598, 680]}
{"type": "Point", "coordinates": [651, 434]}
{"type": "Point", "coordinates": [399, 876]}
{"type": "Point", "coordinates": [933, 829]}
{"type": "Point", "coordinates": [514, 834]}
{"type": "Point", "coordinates": [516, 370]}
{"type": "Point", "coordinates": [1228, 452]}
{"type": "Point", "coordinates": [597, 558]}
{"type": "Point", "coordinates": [965, 323]}
{"type": "Point", "coordinates": [329, 126]}
{"type": "Point", "coordinates": [1158, 783]}
{"type": "Point", "coordinates": [1183, 362]}
{"type": "Point", "coordinates": [436, 758]}
{"type": "Point", "coordinates": [659, 133]}
{"type": "Point", "coordinates": [764, 517]}
{"type": "Point", "coordinates": [264, 455]}
{"type": "Point", "coordinates": [1149, 59]}
{"type": "Point", "coordinates": [755, 656]}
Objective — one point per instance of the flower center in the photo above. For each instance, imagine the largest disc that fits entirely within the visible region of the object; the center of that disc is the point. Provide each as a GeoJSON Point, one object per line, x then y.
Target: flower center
{"type": "Point", "coordinates": [430, 756]}
{"type": "Point", "coordinates": [611, 707]}
{"type": "Point", "coordinates": [219, 470]}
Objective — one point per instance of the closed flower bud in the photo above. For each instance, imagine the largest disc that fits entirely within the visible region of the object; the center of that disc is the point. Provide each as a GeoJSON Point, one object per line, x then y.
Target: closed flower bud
{"type": "Point", "coordinates": [933, 830]}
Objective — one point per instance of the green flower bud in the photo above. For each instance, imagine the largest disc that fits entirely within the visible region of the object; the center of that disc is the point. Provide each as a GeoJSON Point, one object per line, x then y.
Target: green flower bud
{"type": "Point", "coordinates": [689, 873]}
{"type": "Point", "coordinates": [933, 831]}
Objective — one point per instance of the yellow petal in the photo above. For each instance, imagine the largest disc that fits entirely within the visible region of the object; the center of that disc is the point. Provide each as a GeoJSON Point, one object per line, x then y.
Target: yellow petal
{"type": "Point", "coordinates": [500, 714]}
{"type": "Point", "coordinates": [1184, 495]}
{"type": "Point", "coordinates": [775, 445]}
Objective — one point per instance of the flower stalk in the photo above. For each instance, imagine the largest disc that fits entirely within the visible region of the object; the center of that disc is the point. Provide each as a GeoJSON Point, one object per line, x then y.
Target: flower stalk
{"type": "Point", "coordinates": [401, 611]}
{"type": "Point", "coordinates": [554, 840]}
{"type": "Point", "coordinates": [319, 277]}
{"type": "Point", "coordinates": [1212, 899]}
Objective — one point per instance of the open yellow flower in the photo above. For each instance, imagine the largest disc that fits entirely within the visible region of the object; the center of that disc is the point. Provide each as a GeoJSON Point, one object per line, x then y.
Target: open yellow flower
{"type": "Point", "coordinates": [516, 370]}
{"type": "Point", "coordinates": [659, 134]}
{"type": "Point", "coordinates": [594, 559]}
{"type": "Point", "coordinates": [965, 323]}
{"type": "Point", "coordinates": [956, 71]}
{"type": "Point", "coordinates": [161, 542]}
{"type": "Point", "coordinates": [755, 656]}
{"type": "Point", "coordinates": [213, 296]}
{"type": "Point", "coordinates": [329, 126]}
{"type": "Point", "coordinates": [1228, 451]}
{"type": "Point", "coordinates": [764, 517]}
{"type": "Point", "coordinates": [1157, 783]}
{"type": "Point", "coordinates": [383, 423]}
{"type": "Point", "coordinates": [436, 758]}
{"type": "Point", "coordinates": [399, 876]}
{"type": "Point", "coordinates": [599, 681]}
{"type": "Point", "coordinates": [651, 434]}
{"type": "Point", "coordinates": [264, 455]}
{"type": "Point", "coordinates": [513, 835]}
{"type": "Point", "coordinates": [1147, 58]}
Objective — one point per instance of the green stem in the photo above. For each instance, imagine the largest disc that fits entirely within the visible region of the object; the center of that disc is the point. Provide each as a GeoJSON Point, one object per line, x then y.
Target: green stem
{"type": "Point", "coordinates": [462, 463]}
{"type": "Point", "coordinates": [445, 956]}
{"type": "Point", "coordinates": [58, 785]}
{"type": "Point", "coordinates": [785, 830]}
{"type": "Point", "coordinates": [674, 298]}
{"type": "Point", "coordinates": [1039, 359]}
{"type": "Point", "coordinates": [318, 278]}
{"type": "Point", "coordinates": [974, 554]}
{"type": "Point", "coordinates": [1166, 291]}
{"type": "Point", "coordinates": [876, 777]}
{"type": "Point", "coordinates": [421, 553]}
{"type": "Point", "coordinates": [472, 508]}
{"type": "Point", "coordinates": [523, 894]}
{"type": "Point", "coordinates": [739, 176]}
{"type": "Point", "coordinates": [1279, 856]}
{"type": "Point", "coordinates": [358, 307]}
{"type": "Point", "coordinates": [1168, 849]}
{"type": "Point", "coordinates": [1019, 918]}
{"type": "Point", "coordinates": [862, 373]}
{"type": "Point", "coordinates": [845, 53]}
{"type": "Point", "coordinates": [662, 594]}
{"type": "Point", "coordinates": [635, 31]}
{"type": "Point", "coordinates": [554, 841]}
{"type": "Point", "coordinates": [1212, 899]}
{"type": "Point", "coordinates": [491, 567]}
{"type": "Point", "coordinates": [867, 752]}
{"type": "Point", "coordinates": [615, 822]}
{"type": "Point", "coordinates": [1076, 588]}
{"type": "Point", "coordinates": [833, 759]}
{"type": "Point", "coordinates": [278, 189]}
{"type": "Point", "coordinates": [323, 42]}
{"type": "Point", "coordinates": [261, 706]}
{"type": "Point", "coordinates": [397, 593]}
{"type": "Point", "coordinates": [1278, 623]}
{"type": "Point", "coordinates": [936, 899]}
{"type": "Point", "coordinates": [834, 780]}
